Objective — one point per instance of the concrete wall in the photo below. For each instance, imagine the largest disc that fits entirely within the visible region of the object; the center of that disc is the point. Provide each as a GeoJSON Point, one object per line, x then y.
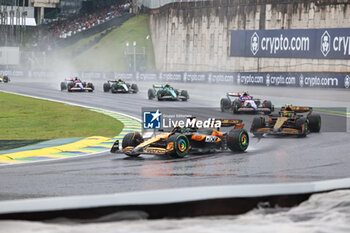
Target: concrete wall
{"type": "Point", "coordinates": [196, 36]}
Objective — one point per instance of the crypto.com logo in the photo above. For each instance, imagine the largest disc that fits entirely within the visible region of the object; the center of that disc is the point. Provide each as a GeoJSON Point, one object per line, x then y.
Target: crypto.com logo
{"type": "Point", "coordinates": [325, 43]}
{"type": "Point", "coordinates": [254, 43]}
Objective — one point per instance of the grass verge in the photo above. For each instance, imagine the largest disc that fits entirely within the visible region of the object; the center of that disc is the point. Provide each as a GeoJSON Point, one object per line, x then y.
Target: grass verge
{"type": "Point", "coordinates": [24, 118]}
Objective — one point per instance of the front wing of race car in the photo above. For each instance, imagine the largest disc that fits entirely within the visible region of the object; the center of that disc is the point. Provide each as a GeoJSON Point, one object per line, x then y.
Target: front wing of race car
{"type": "Point", "coordinates": [252, 110]}
{"type": "Point", "coordinates": [130, 150]}
{"type": "Point", "coordinates": [81, 89]}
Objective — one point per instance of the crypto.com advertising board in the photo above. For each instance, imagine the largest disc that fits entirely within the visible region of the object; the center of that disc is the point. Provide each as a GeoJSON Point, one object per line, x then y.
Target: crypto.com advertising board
{"type": "Point", "coordinates": [328, 43]}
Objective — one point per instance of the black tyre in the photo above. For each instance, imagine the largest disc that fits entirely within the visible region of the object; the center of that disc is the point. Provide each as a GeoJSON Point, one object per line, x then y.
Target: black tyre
{"type": "Point", "coordinates": [134, 88]}
{"type": "Point", "coordinates": [150, 94]}
{"type": "Point", "coordinates": [302, 125]}
{"type": "Point", "coordinates": [225, 104]}
{"type": "Point", "coordinates": [238, 140]}
{"type": "Point", "coordinates": [114, 88]}
{"type": "Point", "coordinates": [268, 104]}
{"type": "Point", "coordinates": [63, 86]}
{"type": "Point", "coordinates": [5, 79]}
{"type": "Point", "coordinates": [315, 123]}
{"type": "Point", "coordinates": [106, 87]}
{"type": "Point", "coordinates": [132, 139]}
{"type": "Point", "coordinates": [181, 145]}
{"type": "Point", "coordinates": [70, 86]}
{"type": "Point", "coordinates": [91, 86]}
{"type": "Point", "coordinates": [258, 123]}
{"type": "Point", "coordinates": [159, 96]}
{"type": "Point", "coordinates": [185, 94]}
{"type": "Point", "coordinates": [236, 105]}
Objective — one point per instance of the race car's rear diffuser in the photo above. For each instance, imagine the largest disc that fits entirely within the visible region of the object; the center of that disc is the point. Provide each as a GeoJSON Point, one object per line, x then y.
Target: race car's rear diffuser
{"type": "Point", "coordinates": [170, 203]}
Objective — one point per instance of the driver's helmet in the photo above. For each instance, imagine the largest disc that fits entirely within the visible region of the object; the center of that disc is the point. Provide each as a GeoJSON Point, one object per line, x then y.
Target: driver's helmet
{"type": "Point", "coordinates": [76, 79]}
{"type": "Point", "coordinates": [288, 111]}
{"type": "Point", "coordinates": [119, 81]}
{"type": "Point", "coordinates": [288, 107]}
{"type": "Point", "coordinates": [245, 93]}
{"type": "Point", "coordinates": [166, 85]}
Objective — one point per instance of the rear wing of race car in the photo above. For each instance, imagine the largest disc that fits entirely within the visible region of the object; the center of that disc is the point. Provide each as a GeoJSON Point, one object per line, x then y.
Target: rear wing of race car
{"type": "Point", "coordinates": [234, 94]}
{"type": "Point", "coordinates": [158, 85]}
{"type": "Point", "coordinates": [298, 109]}
{"type": "Point", "coordinates": [112, 81]}
{"type": "Point", "coordinates": [231, 122]}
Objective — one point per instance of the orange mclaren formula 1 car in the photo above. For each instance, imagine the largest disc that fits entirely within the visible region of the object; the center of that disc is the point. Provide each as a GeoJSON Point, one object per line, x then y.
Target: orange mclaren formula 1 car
{"type": "Point", "coordinates": [182, 141]}
{"type": "Point", "coordinates": [289, 121]}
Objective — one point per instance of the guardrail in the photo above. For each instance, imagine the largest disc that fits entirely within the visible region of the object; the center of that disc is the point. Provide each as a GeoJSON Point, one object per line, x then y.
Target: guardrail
{"type": "Point", "coordinates": [301, 80]}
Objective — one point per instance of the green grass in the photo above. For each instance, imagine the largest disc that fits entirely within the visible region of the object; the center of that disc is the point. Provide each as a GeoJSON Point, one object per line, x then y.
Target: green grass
{"type": "Point", "coordinates": [24, 118]}
{"type": "Point", "coordinates": [108, 54]}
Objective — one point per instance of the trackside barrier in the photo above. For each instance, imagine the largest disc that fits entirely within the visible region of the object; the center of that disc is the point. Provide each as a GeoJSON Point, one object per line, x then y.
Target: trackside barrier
{"type": "Point", "coordinates": [302, 80]}
{"type": "Point", "coordinates": [181, 202]}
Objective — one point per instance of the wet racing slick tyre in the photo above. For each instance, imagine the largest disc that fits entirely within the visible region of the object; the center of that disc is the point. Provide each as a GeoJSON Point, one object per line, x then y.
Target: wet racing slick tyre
{"type": "Point", "coordinates": [70, 86]}
{"type": "Point", "coordinates": [91, 86]}
{"type": "Point", "coordinates": [224, 104]}
{"type": "Point", "coordinates": [268, 104]}
{"type": "Point", "coordinates": [302, 125]}
{"type": "Point", "coordinates": [114, 88]}
{"type": "Point", "coordinates": [181, 145]}
{"type": "Point", "coordinates": [150, 94]}
{"type": "Point", "coordinates": [315, 123]}
{"type": "Point", "coordinates": [63, 86]}
{"type": "Point", "coordinates": [236, 105]}
{"type": "Point", "coordinates": [237, 140]}
{"type": "Point", "coordinates": [106, 87]}
{"type": "Point", "coordinates": [134, 88]}
{"type": "Point", "coordinates": [5, 79]}
{"type": "Point", "coordinates": [258, 123]}
{"type": "Point", "coordinates": [185, 94]}
{"type": "Point", "coordinates": [132, 139]}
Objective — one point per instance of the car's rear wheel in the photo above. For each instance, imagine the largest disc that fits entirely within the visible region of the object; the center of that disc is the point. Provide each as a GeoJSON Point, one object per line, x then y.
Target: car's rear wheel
{"type": "Point", "coordinates": [224, 104]}
{"type": "Point", "coordinates": [132, 139]}
{"type": "Point", "coordinates": [237, 140]}
{"type": "Point", "coordinates": [106, 87]}
{"type": "Point", "coordinates": [150, 94]}
{"type": "Point", "coordinates": [302, 125]}
{"type": "Point", "coordinates": [258, 123]}
{"type": "Point", "coordinates": [134, 88]}
{"type": "Point", "coordinates": [5, 79]}
{"type": "Point", "coordinates": [91, 86]}
{"type": "Point", "coordinates": [63, 86]}
{"type": "Point", "coordinates": [185, 94]}
{"type": "Point", "coordinates": [181, 145]}
{"type": "Point", "coordinates": [315, 123]}
{"type": "Point", "coordinates": [268, 104]}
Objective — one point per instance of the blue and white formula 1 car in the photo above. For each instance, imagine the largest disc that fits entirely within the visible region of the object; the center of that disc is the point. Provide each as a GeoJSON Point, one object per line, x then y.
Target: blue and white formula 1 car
{"type": "Point", "coordinates": [244, 103]}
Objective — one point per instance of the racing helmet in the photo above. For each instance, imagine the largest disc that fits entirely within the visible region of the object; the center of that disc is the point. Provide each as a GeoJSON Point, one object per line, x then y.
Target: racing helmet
{"type": "Point", "coordinates": [166, 85]}
{"type": "Point", "coordinates": [288, 107]}
{"type": "Point", "coordinates": [245, 93]}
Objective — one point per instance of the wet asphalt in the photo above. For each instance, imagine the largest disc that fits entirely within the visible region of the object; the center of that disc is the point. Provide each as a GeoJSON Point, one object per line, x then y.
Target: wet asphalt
{"type": "Point", "coordinates": [268, 160]}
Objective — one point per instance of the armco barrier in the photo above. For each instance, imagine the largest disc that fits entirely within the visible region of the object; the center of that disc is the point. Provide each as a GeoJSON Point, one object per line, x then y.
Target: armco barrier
{"type": "Point", "coordinates": [302, 80]}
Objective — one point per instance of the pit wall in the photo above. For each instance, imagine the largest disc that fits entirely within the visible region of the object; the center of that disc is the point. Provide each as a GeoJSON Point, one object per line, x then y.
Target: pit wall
{"type": "Point", "coordinates": [196, 36]}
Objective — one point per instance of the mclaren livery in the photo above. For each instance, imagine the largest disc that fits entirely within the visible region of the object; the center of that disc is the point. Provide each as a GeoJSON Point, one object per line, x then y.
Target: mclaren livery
{"type": "Point", "coordinates": [119, 86]}
{"type": "Point", "coordinates": [166, 92]}
{"type": "Point", "coordinates": [289, 121]}
{"type": "Point", "coordinates": [76, 85]}
{"type": "Point", "coordinates": [244, 103]}
{"type": "Point", "coordinates": [182, 141]}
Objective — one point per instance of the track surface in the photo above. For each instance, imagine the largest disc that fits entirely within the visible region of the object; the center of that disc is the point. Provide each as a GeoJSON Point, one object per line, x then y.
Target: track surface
{"type": "Point", "coordinates": [269, 160]}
